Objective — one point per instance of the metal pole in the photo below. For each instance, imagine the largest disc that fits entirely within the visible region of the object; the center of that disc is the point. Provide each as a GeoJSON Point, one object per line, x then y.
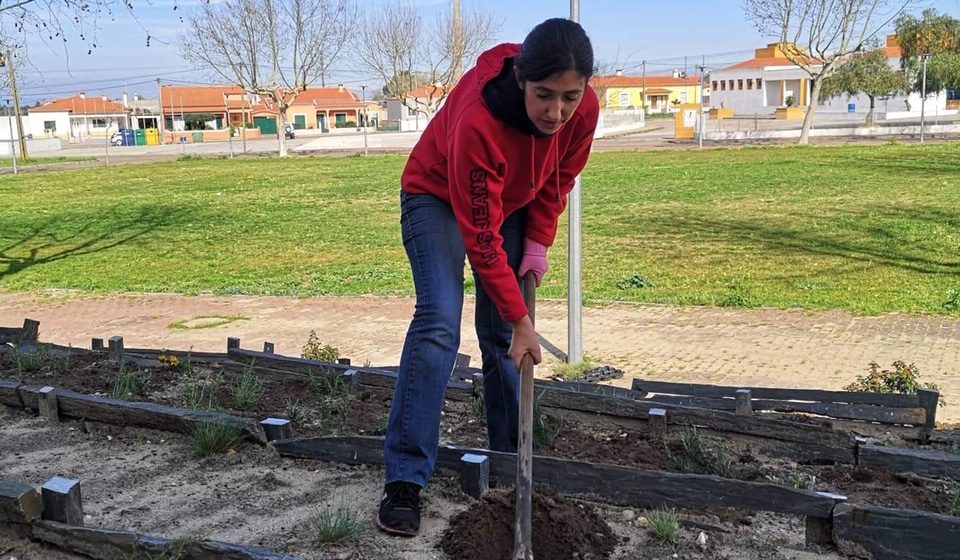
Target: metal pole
{"type": "Point", "coordinates": [226, 115]}
{"type": "Point", "coordinates": [16, 104]}
{"type": "Point", "coordinates": [574, 286]}
{"type": "Point", "coordinates": [923, 99]}
{"type": "Point", "coordinates": [363, 98]}
{"type": "Point", "coordinates": [160, 100]}
{"type": "Point", "coordinates": [703, 118]}
{"type": "Point", "coordinates": [13, 149]}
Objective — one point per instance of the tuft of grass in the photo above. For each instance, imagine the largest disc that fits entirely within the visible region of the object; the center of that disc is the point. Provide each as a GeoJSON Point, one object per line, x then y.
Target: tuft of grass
{"type": "Point", "coordinates": [574, 371]}
{"type": "Point", "coordinates": [249, 389]}
{"type": "Point", "coordinates": [634, 281]}
{"type": "Point", "coordinates": [955, 500]}
{"type": "Point", "coordinates": [696, 456]}
{"type": "Point", "coordinates": [205, 322]}
{"type": "Point", "coordinates": [208, 438]}
{"type": "Point", "coordinates": [199, 389]}
{"type": "Point", "coordinates": [543, 433]}
{"type": "Point", "coordinates": [664, 526]}
{"type": "Point", "coordinates": [802, 481]}
{"type": "Point", "coordinates": [333, 396]}
{"type": "Point", "coordinates": [128, 384]}
{"type": "Point", "coordinates": [63, 366]}
{"type": "Point", "coordinates": [952, 303]}
{"type": "Point", "coordinates": [478, 409]}
{"type": "Point", "coordinates": [337, 525]}
{"type": "Point", "coordinates": [295, 412]}
{"type": "Point", "coordinates": [381, 427]}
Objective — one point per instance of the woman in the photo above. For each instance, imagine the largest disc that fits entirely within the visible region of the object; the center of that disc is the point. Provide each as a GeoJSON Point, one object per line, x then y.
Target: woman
{"type": "Point", "coordinates": [487, 180]}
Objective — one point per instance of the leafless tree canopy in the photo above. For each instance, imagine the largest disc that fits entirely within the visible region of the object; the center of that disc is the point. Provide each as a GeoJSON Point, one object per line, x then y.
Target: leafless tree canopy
{"type": "Point", "coordinates": [817, 34]}
{"type": "Point", "coordinates": [395, 41]}
{"type": "Point", "coordinates": [273, 48]}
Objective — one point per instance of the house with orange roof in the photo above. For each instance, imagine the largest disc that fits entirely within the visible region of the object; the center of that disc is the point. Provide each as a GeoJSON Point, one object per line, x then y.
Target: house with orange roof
{"type": "Point", "coordinates": [417, 108]}
{"type": "Point", "coordinates": [323, 108]}
{"type": "Point", "coordinates": [769, 83]}
{"type": "Point", "coordinates": [77, 118]}
{"type": "Point", "coordinates": [656, 93]}
{"type": "Point", "coordinates": [213, 107]}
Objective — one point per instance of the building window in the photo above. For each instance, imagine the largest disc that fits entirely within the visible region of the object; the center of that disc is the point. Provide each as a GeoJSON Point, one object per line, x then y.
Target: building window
{"type": "Point", "coordinates": [730, 85]}
{"type": "Point", "coordinates": [99, 123]}
{"type": "Point", "coordinates": [759, 83]}
{"type": "Point", "coordinates": [624, 98]}
{"type": "Point", "coordinates": [749, 83]}
{"type": "Point", "coordinates": [411, 112]}
{"type": "Point", "coordinates": [683, 96]}
{"type": "Point", "coordinates": [50, 127]}
{"type": "Point", "coordinates": [740, 84]}
{"type": "Point", "coordinates": [723, 85]}
{"type": "Point", "coordinates": [714, 88]}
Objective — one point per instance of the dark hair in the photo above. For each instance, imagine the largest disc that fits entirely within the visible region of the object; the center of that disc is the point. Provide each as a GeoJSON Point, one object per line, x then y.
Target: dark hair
{"type": "Point", "coordinates": [553, 47]}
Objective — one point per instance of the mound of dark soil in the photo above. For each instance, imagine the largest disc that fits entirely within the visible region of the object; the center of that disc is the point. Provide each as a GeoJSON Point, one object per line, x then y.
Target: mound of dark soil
{"type": "Point", "coordinates": [561, 529]}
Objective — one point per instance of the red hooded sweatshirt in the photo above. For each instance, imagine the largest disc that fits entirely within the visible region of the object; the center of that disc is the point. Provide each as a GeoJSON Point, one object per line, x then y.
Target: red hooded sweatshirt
{"type": "Point", "coordinates": [486, 169]}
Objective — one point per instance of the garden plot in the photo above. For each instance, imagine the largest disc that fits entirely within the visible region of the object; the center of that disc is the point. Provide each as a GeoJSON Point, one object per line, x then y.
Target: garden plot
{"type": "Point", "coordinates": [612, 454]}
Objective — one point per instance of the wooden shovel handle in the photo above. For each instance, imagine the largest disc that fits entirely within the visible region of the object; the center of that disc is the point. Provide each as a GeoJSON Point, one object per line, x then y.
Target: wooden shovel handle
{"type": "Point", "coordinates": [523, 527]}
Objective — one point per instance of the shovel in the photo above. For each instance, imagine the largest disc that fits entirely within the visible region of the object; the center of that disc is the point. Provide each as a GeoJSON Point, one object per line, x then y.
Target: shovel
{"type": "Point", "coordinates": [523, 526]}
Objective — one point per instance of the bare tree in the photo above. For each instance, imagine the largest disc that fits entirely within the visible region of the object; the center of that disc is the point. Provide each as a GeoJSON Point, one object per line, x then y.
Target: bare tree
{"type": "Point", "coordinates": [405, 52]}
{"type": "Point", "coordinates": [816, 35]}
{"type": "Point", "coordinates": [271, 48]}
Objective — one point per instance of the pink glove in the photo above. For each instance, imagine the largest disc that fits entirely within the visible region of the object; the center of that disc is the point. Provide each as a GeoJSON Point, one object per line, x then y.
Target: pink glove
{"type": "Point", "coordinates": [534, 259]}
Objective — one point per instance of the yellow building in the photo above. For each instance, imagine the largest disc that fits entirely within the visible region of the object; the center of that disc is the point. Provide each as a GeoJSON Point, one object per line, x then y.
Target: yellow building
{"type": "Point", "coordinates": [658, 94]}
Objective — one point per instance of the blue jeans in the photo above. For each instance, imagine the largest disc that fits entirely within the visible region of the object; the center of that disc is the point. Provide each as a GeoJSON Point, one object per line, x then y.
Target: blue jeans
{"type": "Point", "coordinates": [435, 249]}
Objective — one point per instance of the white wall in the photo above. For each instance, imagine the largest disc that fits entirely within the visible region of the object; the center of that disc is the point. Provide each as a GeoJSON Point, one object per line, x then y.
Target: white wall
{"type": "Point", "coordinates": [7, 122]}
{"type": "Point", "coordinates": [37, 120]}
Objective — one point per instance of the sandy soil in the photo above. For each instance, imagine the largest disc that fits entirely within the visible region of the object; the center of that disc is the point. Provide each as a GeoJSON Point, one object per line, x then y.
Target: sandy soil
{"type": "Point", "coordinates": [148, 481]}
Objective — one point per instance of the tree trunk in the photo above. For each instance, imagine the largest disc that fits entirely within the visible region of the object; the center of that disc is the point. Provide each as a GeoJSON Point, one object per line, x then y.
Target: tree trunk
{"type": "Point", "coordinates": [871, 119]}
{"type": "Point", "coordinates": [811, 109]}
{"type": "Point", "coordinates": [281, 130]}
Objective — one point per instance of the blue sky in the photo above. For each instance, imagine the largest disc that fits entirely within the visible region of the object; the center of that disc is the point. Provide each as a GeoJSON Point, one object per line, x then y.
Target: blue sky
{"type": "Point", "coordinates": [663, 32]}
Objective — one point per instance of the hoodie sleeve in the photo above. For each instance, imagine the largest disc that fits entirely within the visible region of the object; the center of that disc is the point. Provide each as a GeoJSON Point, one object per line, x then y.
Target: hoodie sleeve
{"type": "Point", "coordinates": [475, 195]}
{"type": "Point", "coordinates": [544, 211]}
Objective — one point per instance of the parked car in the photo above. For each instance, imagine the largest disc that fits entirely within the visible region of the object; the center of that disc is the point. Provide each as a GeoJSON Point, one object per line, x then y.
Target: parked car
{"type": "Point", "coordinates": [117, 138]}
{"type": "Point", "coordinates": [289, 132]}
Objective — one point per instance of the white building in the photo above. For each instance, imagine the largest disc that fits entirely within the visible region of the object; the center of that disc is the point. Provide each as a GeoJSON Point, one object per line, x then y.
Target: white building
{"type": "Point", "coordinates": [77, 118]}
{"type": "Point", "coordinates": [421, 104]}
{"type": "Point", "coordinates": [769, 81]}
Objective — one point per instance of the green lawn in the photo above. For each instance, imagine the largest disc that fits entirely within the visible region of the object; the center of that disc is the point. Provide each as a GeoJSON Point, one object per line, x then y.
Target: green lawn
{"type": "Point", "coordinates": [5, 160]}
{"type": "Point", "coordinates": [869, 229]}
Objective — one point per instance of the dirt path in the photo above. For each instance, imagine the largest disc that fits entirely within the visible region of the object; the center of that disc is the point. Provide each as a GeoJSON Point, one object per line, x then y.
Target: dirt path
{"type": "Point", "coordinates": [695, 344]}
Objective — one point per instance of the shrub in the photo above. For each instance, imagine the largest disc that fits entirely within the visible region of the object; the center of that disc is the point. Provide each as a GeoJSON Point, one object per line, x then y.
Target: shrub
{"type": "Point", "coordinates": [249, 389]}
{"type": "Point", "coordinates": [664, 526]}
{"type": "Point", "coordinates": [315, 350]}
{"type": "Point", "coordinates": [697, 457]}
{"type": "Point", "coordinates": [902, 379]}
{"type": "Point", "coordinates": [214, 437]}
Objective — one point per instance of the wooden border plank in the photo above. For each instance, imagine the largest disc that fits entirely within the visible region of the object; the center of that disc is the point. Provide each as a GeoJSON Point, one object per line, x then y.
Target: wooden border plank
{"type": "Point", "coordinates": [779, 429]}
{"type": "Point", "coordinates": [813, 395]}
{"type": "Point", "coordinates": [924, 462]}
{"type": "Point", "coordinates": [106, 544]}
{"type": "Point", "coordinates": [9, 394]}
{"type": "Point", "coordinates": [19, 502]}
{"type": "Point", "coordinates": [197, 357]}
{"type": "Point", "coordinates": [610, 483]}
{"type": "Point", "coordinates": [148, 415]}
{"type": "Point", "coordinates": [894, 534]}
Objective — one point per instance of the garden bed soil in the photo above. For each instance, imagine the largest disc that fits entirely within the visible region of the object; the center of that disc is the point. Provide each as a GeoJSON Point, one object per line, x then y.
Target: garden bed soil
{"type": "Point", "coordinates": [575, 435]}
{"type": "Point", "coordinates": [562, 528]}
{"type": "Point", "coordinates": [148, 481]}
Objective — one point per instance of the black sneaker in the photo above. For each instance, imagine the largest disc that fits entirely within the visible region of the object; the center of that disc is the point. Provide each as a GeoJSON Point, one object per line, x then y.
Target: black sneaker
{"type": "Point", "coordinates": [400, 509]}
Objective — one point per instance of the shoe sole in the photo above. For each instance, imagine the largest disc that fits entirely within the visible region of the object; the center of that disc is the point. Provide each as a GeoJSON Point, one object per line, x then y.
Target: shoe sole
{"type": "Point", "coordinates": [392, 531]}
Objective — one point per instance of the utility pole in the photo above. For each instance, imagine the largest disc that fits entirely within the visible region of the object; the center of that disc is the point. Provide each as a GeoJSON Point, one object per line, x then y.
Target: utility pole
{"type": "Point", "coordinates": [13, 151]}
{"type": "Point", "coordinates": [457, 42]}
{"type": "Point", "coordinates": [704, 72]}
{"type": "Point", "coordinates": [643, 86]}
{"type": "Point", "coordinates": [8, 61]}
{"type": "Point", "coordinates": [923, 99]}
{"type": "Point", "coordinates": [160, 102]}
{"type": "Point", "coordinates": [574, 272]}
{"type": "Point", "coordinates": [226, 116]}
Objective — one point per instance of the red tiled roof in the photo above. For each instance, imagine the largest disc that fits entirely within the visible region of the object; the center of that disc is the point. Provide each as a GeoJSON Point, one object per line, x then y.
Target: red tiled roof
{"type": "Point", "coordinates": [77, 105]}
{"type": "Point", "coordinates": [201, 99]}
{"type": "Point", "coordinates": [328, 98]}
{"type": "Point", "coordinates": [767, 61]}
{"type": "Point", "coordinates": [639, 81]}
{"type": "Point", "coordinates": [427, 92]}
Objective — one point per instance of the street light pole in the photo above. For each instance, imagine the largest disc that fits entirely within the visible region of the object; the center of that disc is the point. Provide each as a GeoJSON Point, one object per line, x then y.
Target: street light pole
{"type": "Point", "coordinates": [703, 119]}
{"type": "Point", "coordinates": [13, 149]}
{"type": "Point", "coordinates": [363, 100]}
{"type": "Point", "coordinates": [923, 99]}
{"type": "Point", "coordinates": [574, 271]}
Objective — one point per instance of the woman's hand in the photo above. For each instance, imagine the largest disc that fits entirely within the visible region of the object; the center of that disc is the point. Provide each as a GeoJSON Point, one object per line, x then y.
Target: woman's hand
{"type": "Point", "coordinates": [524, 341]}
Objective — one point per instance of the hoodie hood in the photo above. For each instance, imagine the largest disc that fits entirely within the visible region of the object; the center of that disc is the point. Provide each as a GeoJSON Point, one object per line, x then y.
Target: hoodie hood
{"type": "Point", "coordinates": [505, 99]}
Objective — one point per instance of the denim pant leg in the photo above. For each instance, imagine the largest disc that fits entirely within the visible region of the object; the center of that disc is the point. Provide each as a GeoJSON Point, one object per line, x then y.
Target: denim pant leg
{"type": "Point", "coordinates": [501, 384]}
{"type": "Point", "coordinates": [435, 249]}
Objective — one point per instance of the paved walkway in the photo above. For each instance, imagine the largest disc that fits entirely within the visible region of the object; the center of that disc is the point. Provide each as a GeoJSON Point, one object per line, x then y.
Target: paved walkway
{"type": "Point", "coordinates": [694, 344]}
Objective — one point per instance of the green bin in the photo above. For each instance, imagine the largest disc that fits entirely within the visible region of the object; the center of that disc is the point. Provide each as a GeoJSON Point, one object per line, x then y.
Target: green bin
{"type": "Point", "coordinates": [197, 137]}
{"type": "Point", "coordinates": [140, 137]}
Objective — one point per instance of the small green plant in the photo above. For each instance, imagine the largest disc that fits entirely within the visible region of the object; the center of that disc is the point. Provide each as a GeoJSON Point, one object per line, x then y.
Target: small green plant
{"type": "Point", "coordinates": [295, 412]}
{"type": "Point", "coordinates": [334, 398]}
{"type": "Point", "coordinates": [127, 384]}
{"type": "Point", "coordinates": [543, 434]}
{"type": "Point", "coordinates": [207, 438]}
{"type": "Point", "coordinates": [789, 101]}
{"type": "Point", "coordinates": [902, 379]}
{"type": "Point", "coordinates": [315, 350]}
{"type": "Point", "coordinates": [175, 550]}
{"type": "Point", "coordinates": [328, 383]}
{"type": "Point", "coordinates": [339, 525]}
{"type": "Point", "coordinates": [634, 281]}
{"type": "Point", "coordinates": [802, 481]}
{"type": "Point", "coordinates": [478, 409]}
{"type": "Point", "coordinates": [697, 457]}
{"type": "Point", "coordinates": [737, 296]}
{"type": "Point", "coordinates": [572, 372]}
{"type": "Point", "coordinates": [381, 427]}
{"type": "Point", "coordinates": [664, 526]}
{"type": "Point", "coordinates": [63, 366]}
{"type": "Point", "coordinates": [952, 303]}
{"type": "Point", "coordinates": [200, 390]}
{"type": "Point", "coordinates": [955, 500]}
{"type": "Point", "coordinates": [189, 157]}
{"type": "Point", "coordinates": [26, 360]}
{"type": "Point", "coordinates": [249, 389]}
